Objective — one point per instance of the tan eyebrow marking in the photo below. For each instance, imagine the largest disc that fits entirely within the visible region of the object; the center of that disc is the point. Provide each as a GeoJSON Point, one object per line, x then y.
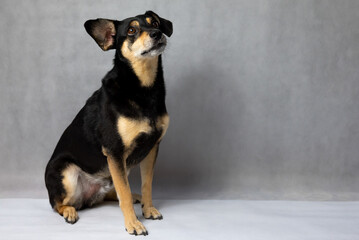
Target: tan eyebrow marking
{"type": "Point", "coordinates": [134, 24]}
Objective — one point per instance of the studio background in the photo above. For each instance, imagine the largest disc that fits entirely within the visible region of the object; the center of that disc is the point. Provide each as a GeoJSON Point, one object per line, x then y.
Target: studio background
{"type": "Point", "coordinates": [263, 95]}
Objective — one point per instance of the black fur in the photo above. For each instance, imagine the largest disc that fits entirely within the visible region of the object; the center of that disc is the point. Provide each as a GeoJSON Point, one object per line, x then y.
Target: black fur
{"type": "Point", "coordinates": [94, 126]}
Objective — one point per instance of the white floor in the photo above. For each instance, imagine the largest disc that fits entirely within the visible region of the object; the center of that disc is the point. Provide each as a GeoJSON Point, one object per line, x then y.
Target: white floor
{"type": "Point", "coordinates": [189, 219]}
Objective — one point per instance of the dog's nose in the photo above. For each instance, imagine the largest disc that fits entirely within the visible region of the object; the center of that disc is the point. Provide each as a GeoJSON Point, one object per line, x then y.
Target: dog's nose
{"type": "Point", "coordinates": [156, 34]}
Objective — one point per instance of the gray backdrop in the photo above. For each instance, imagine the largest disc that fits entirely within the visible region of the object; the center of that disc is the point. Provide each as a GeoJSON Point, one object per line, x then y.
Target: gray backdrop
{"type": "Point", "coordinates": [263, 95]}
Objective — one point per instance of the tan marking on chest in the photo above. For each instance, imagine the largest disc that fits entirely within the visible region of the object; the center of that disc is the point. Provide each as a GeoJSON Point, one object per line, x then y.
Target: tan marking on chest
{"type": "Point", "coordinates": [162, 123]}
{"type": "Point", "coordinates": [129, 129]}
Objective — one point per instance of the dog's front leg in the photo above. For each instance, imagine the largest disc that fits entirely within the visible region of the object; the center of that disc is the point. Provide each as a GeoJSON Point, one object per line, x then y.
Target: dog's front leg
{"type": "Point", "coordinates": [122, 187]}
{"type": "Point", "coordinates": [147, 166]}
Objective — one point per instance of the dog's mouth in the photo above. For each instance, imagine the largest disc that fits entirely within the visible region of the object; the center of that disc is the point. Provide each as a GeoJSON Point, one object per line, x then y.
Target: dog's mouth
{"type": "Point", "coordinates": [156, 49]}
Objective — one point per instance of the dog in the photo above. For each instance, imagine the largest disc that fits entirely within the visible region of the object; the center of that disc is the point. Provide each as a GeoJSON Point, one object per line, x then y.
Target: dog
{"type": "Point", "coordinates": [120, 126]}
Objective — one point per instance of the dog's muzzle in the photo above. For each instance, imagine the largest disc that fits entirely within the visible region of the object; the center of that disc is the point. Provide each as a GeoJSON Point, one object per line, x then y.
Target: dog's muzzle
{"type": "Point", "coordinates": [159, 43]}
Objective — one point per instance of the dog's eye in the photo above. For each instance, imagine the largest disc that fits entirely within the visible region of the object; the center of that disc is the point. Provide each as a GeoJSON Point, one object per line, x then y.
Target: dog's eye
{"type": "Point", "coordinates": [131, 31]}
{"type": "Point", "coordinates": [155, 24]}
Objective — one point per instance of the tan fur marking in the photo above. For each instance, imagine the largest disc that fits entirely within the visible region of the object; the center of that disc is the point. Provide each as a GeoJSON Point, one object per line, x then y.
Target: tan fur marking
{"type": "Point", "coordinates": [145, 68]}
{"type": "Point", "coordinates": [162, 123]}
{"type": "Point", "coordinates": [122, 187]}
{"type": "Point", "coordinates": [69, 181]}
{"type": "Point", "coordinates": [68, 212]}
{"type": "Point", "coordinates": [111, 196]}
{"type": "Point", "coordinates": [146, 175]}
{"type": "Point", "coordinates": [147, 167]}
{"type": "Point", "coordinates": [148, 20]}
{"type": "Point", "coordinates": [104, 151]}
{"type": "Point", "coordinates": [136, 198]}
{"type": "Point", "coordinates": [129, 129]}
{"type": "Point", "coordinates": [134, 24]}
{"type": "Point", "coordinates": [59, 208]}
{"type": "Point", "coordinates": [124, 192]}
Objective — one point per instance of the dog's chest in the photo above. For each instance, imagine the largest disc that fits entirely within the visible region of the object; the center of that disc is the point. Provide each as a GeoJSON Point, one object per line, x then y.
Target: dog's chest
{"type": "Point", "coordinates": [129, 128]}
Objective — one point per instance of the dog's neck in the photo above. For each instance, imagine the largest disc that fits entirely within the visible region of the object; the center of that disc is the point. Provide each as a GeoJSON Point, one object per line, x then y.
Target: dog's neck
{"type": "Point", "coordinates": [122, 83]}
{"type": "Point", "coordinates": [145, 69]}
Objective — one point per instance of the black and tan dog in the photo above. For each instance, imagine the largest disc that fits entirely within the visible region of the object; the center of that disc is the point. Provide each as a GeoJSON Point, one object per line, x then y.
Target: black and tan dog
{"type": "Point", "coordinates": [121, 125]}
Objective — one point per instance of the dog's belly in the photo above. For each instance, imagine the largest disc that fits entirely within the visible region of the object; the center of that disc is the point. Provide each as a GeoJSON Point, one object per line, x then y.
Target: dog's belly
{"type": "Point", "coordinates": [83, 189]}
{"type": "Point", "coordinates": [93, 189]}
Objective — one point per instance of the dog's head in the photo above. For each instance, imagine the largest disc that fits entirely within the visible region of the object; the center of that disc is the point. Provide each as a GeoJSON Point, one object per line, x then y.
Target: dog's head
{"type": "Point", "coordinates": [134, 38]}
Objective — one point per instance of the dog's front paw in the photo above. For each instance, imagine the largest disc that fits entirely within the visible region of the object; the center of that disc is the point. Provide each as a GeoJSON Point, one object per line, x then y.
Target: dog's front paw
{"type": "Point", "coordinates": [151, 213]}
{"type": "Point", "coordinates": [136, 228]}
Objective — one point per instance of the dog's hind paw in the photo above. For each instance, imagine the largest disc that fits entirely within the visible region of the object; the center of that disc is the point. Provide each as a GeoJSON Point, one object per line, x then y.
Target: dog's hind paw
{"type": "Point", "coordinates": [70, 215]}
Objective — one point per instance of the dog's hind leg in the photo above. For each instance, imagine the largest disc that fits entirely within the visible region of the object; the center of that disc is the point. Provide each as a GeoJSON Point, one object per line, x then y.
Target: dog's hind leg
{"type": "Point", "coordinates": [112, 196]}
{"type": "Point", "coordinates": [61, 182]}
{"type": "Point", "coordinates": [72, 198]}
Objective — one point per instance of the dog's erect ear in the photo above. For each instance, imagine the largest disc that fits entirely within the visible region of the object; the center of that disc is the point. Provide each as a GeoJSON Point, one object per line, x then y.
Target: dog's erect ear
{"type": "Point", "coordinates": [165, 25]}
{"type": "Point", "coordinates": [103, 31]}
